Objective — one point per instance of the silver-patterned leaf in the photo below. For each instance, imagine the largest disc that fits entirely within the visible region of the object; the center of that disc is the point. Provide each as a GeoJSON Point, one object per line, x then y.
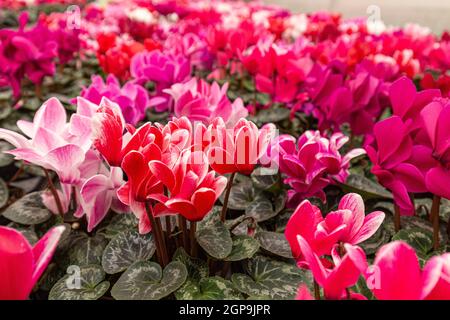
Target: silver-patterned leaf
{"type": "Point", "coordinates": [196, 268]}
{"type": "Point", "coordinates": [264, 178]}
{"type": "Point", "coordinates": [420, 239]}
{"type": "Point", "coordinates": [274, 243]}
{"type": "Point", "coordinates": [241, 195]}
{"type": "Point", "coordinates": [5, 158]}
{"type": "Point", "coordinates": [270, 278]}
{"type": "Point", "coordinates": [89, 286]}
{"type": "Point", "coordinates": [213, 236]}
{"type": "Point", "coordinates": [4, 193]}
{"type": "Point", "coordinates": [119, 223]}
{"type": "Point", "coordinates": [365, 187]}
{"type": "Point", "coordinates": [145, 280]}
{"type": "Point", "coordinates": [125, 249]}
{"type": "Point", "coordinates": [261, 209]}
{"type": "Point", "coordinates": [212, 288]}
{"type": "Point", "coordinates": [244, 247]}
{"type": "Point", "coordinates": [28, 210]}
{"type": "Point", "coordinates": [88, 250]}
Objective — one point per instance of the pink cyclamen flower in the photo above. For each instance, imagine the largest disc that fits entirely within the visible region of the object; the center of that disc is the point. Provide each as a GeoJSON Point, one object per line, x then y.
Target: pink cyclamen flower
{"type": "Point", "coordinates": [344, 274]}
{"type": "Point", "coordinates": [54, 144]}
{"type": "Point", "coordinates": [237, 149]}
{"type": "Point", "coordinates": [311, 163]}
{"type": "Point", "coordinates": [163, 70]}
{"type": "Point", "coordinates": [348, 224]}
{"type": "Point", "coordinates": [200, 101]}
{"type": "Point", "coordinates": [193, 187]}
{"type": "Point", "coordinates": [132, 98]}
{"type": "Point", "coordinates": [397, 275]}
{"type": "Point", "coordinates": [21, 264]}
{"type": "Point", "coordinates": [436, 119]}
{"type": "Point", "coordinates": [358, 226]}
{"type": "Point", "coordinates": [28, 53]}
{"type": "Point", "coordinates": [399, 165]}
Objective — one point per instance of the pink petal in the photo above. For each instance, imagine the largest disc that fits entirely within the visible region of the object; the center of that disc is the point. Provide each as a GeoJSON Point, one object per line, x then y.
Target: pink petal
{"type": "Point", "coordinates": [16, 265]}
{"type": "Point", "coordinates": [371, 224]}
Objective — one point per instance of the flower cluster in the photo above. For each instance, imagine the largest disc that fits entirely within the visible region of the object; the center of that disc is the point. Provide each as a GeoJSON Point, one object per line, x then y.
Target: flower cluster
{"type": "Point", "coordinates": [311, 163]}
{"type": "Point", "coordinates": [410, 151]}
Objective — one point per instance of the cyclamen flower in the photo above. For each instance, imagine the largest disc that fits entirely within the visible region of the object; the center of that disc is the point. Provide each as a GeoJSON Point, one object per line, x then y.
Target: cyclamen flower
{"type": "Point", "coordinates": [400, 277]}
{"type": "Point", "coordinates": [436, 119]}
{"type": "Point", "coordinates": [21, 264]}
{"type": "Point", "coordinates": [54, 144]}
{"type": "Point", "coordinates": [344, 273]}
{"type": "Point", "coordinates": [348, 225]}
{"type": "Point", "coordinates": [29, 53]}
{"type": "Point", "coordinates": [132, 98]}
{"type": "Point", "coordinates": [399, 165]}
{"type": "Point", "coordinates": [311, 163]}
{"type": "Point", "coordinates": [237, 149]}
{"type": "Point", "coordinates": [200, 101]}
{"type": "Point", "coordinates": [163, 70]}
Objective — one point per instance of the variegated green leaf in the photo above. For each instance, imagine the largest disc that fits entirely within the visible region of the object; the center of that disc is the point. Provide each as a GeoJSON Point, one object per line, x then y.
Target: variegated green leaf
{"type": "Point", "coordinates": [212, 288]}
{"type": "Point", "coordinates": [5, 158]}
{"type": "Point", "coordinates": [88, 284]}
{"type": "Point", "coordinates": [274, 243]}
{"type": "Point", "coordinates": [88, 250]}
{"type": "Point", "coordinates": [213, 236]}
{"type": "Point", "coordinates": [145, 280]}
{"type": "Point", "coordinates": [28, 210]}
{"type": "Point", "coordinates": [4, 193]}
{"type": "Point", "coordinates": [420, 239]}
{"type": "Point", "coordinates": [244, 247]}
{"type": "Point", "coordinates": [365, 187]}
{"type": "Point", "coordinates": [270, 278]}
{"type": "Point", "coordinates": [125, 249]}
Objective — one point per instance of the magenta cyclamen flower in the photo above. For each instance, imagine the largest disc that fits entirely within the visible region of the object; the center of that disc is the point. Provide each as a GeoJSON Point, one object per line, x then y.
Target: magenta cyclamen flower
{"type": "Point", "coordinates": [200, 101]}
{"type": "Point", "coordinates": [396, 275]}
{"type": "Point", "coordinates": [21, 264]}
{"type": "Point", "coordinates": [436, 119]}
{"type": "Point", "coordinates": [163, 70]}
{"type": "Point", "coordinates": [132, 98]}
{"type": "Point", "coordinates": [399, 165]}
{"type": "Point", "coordinates": [311, 163]}
{"type": "Point", "coordinates": [29, 53]}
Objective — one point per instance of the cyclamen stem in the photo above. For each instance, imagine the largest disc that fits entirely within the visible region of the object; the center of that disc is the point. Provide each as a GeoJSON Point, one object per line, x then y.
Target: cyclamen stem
{"type": "Point", "coordinates": [227, 195]}
{"type": "Point", "coordinates": [156, 235]}
{"type": "Point", "coordinates": [435, 220]}
{"type": "Point", "coordinates": [397, 220]}
{"type": "Point", "coordinates": [183, 226]}
{"type": "Point", "coordinates": [54, 193]}
{"type": "Point", "coordinates": [164, 254]}
{"type": "Point", "coordinates": [193, 230]}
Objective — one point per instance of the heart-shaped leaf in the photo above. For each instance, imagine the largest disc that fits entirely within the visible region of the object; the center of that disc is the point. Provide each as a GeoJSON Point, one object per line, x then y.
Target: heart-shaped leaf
{"type": "Point", "coordinates": [270, 278]}
{"type": "Point", "coordinates": [367, 188]}
{"type": "Point", "coordinates": [212, 288]}
{"type": "Point", "coordinates": [241, 195]}
{"type": "Point", "coordinates": [244, 247]}
{"type": "Point", "coordinates": [4, 193]}
{"type": "Point", "coordinates": [85, 283]}
{"type": "Point", "coordinates": [213, 236]}
{"type": "Point", "coordinates": [274, 243]}
{"type": "Point", "coordinates": [88, 250]}
{"type": "Point", "coordinates": [5, 158]}
{"type": "Point", "coordinates": [125, 249]}
{"type": "Point", "coordinates": [118, 224]}
{"type": "Point", "coordinates": [420, 239]}
{"type": "Point", "coordinates": [260, 209]}
{"type": "Point", "coordinates": [28, 210]}
{"type": "Point", "coordinates": [264, 178]}
{"type": "Point", "coordinates": [145, 280]}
